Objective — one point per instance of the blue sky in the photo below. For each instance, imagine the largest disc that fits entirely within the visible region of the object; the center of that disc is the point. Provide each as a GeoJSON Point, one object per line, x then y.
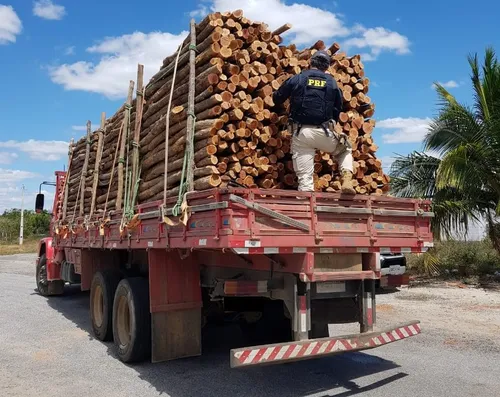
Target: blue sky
{"type": "Point", "coordinates": [63, 62]}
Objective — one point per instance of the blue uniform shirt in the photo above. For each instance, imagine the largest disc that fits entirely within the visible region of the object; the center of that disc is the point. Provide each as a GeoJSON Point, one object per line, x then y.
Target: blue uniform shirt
{"type": "Point", "coordinates": [314, 97]}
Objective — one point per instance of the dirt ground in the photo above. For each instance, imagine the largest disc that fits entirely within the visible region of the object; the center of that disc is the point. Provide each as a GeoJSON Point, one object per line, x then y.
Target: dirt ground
{"type": "Point", "coordinates": [465, 316]}
{"type": "Point", "coordinates": [47, 349]}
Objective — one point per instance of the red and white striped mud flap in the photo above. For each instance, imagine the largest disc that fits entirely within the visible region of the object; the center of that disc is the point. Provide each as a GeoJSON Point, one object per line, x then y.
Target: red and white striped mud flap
{"type": "Point", "coordinates": [316, 348]}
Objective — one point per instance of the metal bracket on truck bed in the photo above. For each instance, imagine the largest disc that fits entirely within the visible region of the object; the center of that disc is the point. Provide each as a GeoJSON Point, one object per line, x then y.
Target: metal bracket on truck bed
{"type": "Point", "coordinates": [193, 209]}
{"type": "Point", "coordinates": [266, 211]}
{"type": "Point", "coordinates": [316, 348]}
{"type": "Point", "coordinates": [367, 211]}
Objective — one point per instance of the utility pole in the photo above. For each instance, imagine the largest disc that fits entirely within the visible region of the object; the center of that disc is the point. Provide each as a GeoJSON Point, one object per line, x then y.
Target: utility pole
{"type": "Point", "coordinates": [21, 228]}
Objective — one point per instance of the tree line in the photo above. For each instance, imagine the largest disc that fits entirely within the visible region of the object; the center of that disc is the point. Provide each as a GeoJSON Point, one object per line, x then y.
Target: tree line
{"type": "Point", "coordinates": [35, 225]}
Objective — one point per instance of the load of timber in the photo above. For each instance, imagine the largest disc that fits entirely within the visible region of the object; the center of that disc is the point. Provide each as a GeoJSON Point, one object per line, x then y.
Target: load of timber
{"type": "Point", "coordinates": [239, 135]}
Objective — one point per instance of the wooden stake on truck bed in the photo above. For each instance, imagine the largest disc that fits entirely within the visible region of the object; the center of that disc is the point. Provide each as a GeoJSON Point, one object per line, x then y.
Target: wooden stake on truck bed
{"type": "Point", "coordinates": [190, 115]}
{"type": "Point", "coordinates": [66, 179]}
{"type": "Point", "coordinates": [123, 144]}
{"type": "Point", "coordinates": [137, 132]}
{"type": "Point", "coordinates": [84, 169]}
{"type": "Point", "coordinates": [98, 159]}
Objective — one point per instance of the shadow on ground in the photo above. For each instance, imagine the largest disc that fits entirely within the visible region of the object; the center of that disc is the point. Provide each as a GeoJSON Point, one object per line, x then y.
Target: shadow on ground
{"type": "Point", "coordinates": [387, 290]}
{"type": "Point", "coordinates": [210, 374]}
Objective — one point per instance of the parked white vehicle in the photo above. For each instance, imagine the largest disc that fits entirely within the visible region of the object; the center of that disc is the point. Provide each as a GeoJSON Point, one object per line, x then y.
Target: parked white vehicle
{"type": "Point", "coordinates": [393, 269]}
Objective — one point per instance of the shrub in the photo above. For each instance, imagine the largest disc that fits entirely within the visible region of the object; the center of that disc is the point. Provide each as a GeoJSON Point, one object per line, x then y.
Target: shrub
{"type": "Point", "coordinates": [461, 257]}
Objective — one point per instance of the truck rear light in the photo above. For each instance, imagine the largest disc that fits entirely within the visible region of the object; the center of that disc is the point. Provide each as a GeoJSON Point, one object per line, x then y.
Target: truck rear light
{"type": "Point", "coordinates": [245, 287]}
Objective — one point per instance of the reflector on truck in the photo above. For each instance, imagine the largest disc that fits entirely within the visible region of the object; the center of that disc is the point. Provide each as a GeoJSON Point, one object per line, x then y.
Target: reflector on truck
{"type": "Point", "coordinates": [317, 348]}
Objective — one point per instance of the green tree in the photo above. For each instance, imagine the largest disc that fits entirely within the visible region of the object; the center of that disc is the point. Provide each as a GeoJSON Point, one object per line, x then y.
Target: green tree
{"type": "Point", "coordinates": [464, 182]}
{"type": "Point", "coordinates": [34, 224]}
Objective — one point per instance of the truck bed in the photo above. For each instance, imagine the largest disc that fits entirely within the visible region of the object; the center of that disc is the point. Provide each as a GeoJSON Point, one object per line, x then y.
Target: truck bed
{"type": "Point", "coordinates": [250, 221]}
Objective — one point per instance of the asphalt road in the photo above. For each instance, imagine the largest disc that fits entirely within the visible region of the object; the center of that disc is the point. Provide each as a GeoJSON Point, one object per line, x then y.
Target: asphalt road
{"type": "Point", "coordinates": [46, 349]}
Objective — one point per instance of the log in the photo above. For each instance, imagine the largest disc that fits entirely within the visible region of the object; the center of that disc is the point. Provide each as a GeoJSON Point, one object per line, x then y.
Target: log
{"type": "Point", "coordinates": [239, 65]}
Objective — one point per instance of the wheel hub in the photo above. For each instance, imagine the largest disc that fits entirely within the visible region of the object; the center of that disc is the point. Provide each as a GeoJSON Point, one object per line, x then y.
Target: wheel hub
{"type": "Point", "coordinates": [98, 306]}
{"type": "Point", "coordinates": [42, 275]}
{"type": "Point", "coordinates": [123, 321]}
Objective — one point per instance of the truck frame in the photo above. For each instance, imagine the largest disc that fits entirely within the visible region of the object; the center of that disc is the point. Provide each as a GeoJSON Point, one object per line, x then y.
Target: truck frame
{"type": "Point", "coordinates": [283, 264]}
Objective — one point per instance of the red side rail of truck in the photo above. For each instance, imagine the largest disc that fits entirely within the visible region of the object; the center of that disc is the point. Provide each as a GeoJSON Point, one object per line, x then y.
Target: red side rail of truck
{"type": "Point", "coordinates": [259, 221]}
{"type": "Point", "coordinates": [314, 253]}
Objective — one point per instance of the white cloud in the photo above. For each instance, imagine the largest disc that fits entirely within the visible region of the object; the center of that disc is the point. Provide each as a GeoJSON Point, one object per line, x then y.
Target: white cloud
{"type": "Point", "coordinates": [312, 23]}
{"type": "Point", "coordinates": [119, 56]}
{"type": "Point", "coordinates": [15, 176]}
{"type": "Point", "coordinates": [7, 157]}
{"type": "Point", "coordinates": [407, 130]}
{"type": "Point", "coordinates": [201, 11]}
{"type": "Point", "coordinates": [387, 162]}
{"type": "Point", "coordinates": [366, 57]}
{"type": "Point", "coordinates": [118, 63]}
{"type": "Point", "coordinates": [308, 23]}
{"type": "Point", "coordinates": [378, 40]}
{"type": "Point", "coordinates": [448, 84]}
{"type": "Point", "coordinates": [70, 50]}
{"type": "Point", "coordinates": [39, 150]}
{"type": "Point", "coordinates": [11, 197]}
{"type": "Point", "coordinates": [46, 9]}
{"type": "Point", "coordinates": [95, 126]}
{"type": "Point", "coordinates": [10, 25]}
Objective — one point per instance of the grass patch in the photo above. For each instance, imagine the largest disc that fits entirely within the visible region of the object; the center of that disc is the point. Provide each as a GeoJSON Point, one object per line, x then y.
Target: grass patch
{"type": "Point", "coordinates": [28, 247]}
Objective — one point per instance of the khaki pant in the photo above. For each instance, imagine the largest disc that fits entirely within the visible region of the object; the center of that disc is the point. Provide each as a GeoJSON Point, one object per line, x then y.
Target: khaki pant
{"type": "Point", "coordinates": [304, 146]}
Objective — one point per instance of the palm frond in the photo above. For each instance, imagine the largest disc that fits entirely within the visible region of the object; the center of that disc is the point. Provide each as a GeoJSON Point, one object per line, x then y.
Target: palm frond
{"type": "Point", "coordinates": [455, 126]}
{"type": "Point", "coordinates": [414, 175]}
{"type": "Point", "coordinates": [464, 184]}
{"type": "Point", "coordinates": [446, 98]}
{"type": "Point", "coordinates": [479, 98]}
{"type": "Point", "coordinates": [431, 264]}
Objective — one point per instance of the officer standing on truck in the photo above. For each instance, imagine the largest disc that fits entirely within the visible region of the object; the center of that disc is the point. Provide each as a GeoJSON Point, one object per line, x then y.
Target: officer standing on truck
{"type": "Point", "coordinates": [315, 106]}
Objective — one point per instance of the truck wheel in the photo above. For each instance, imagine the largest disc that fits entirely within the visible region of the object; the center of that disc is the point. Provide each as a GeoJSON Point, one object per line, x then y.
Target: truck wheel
{"type": "Point", "coordinates": [102, 293]}
{"type": "Point", "coordinates": [45, 287]}
{"type": "Point", "coordinates": [132, 320]}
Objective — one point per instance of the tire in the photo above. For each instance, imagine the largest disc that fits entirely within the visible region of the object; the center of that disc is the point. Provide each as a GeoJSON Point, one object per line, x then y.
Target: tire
{"type": "Point", "coordinates": [102, 293]}
{"type": "Point", "coordinates": [132, 320]}
{"type": "Point", "coordinates": [45, 287]}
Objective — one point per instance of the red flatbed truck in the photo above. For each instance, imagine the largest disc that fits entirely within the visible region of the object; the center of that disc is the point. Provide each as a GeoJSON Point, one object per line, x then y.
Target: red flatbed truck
{"type": "Point", "coordinates": [286, 268]}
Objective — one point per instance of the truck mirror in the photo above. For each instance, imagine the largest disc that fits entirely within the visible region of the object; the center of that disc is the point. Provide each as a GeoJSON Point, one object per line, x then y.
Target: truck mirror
{"type": "Point", "coordinates": [39, 203]}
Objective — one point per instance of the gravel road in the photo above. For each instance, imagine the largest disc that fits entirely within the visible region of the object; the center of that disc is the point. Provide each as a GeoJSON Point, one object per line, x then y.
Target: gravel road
{"type": "Point", "coordinates": [46, 349]}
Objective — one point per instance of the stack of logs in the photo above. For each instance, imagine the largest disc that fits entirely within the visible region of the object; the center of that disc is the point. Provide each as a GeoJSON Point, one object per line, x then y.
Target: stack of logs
{"type": "Point", "coordinates": [240, 135]}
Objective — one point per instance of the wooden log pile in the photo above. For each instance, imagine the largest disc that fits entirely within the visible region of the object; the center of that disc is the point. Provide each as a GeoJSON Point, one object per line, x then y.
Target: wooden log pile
{"type": "Point", "coordinates": [240, 135]}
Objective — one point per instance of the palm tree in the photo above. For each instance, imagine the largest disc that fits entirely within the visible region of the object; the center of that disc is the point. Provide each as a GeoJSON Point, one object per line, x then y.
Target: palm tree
{"type": "Point", "coordinates": [464, 182]}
